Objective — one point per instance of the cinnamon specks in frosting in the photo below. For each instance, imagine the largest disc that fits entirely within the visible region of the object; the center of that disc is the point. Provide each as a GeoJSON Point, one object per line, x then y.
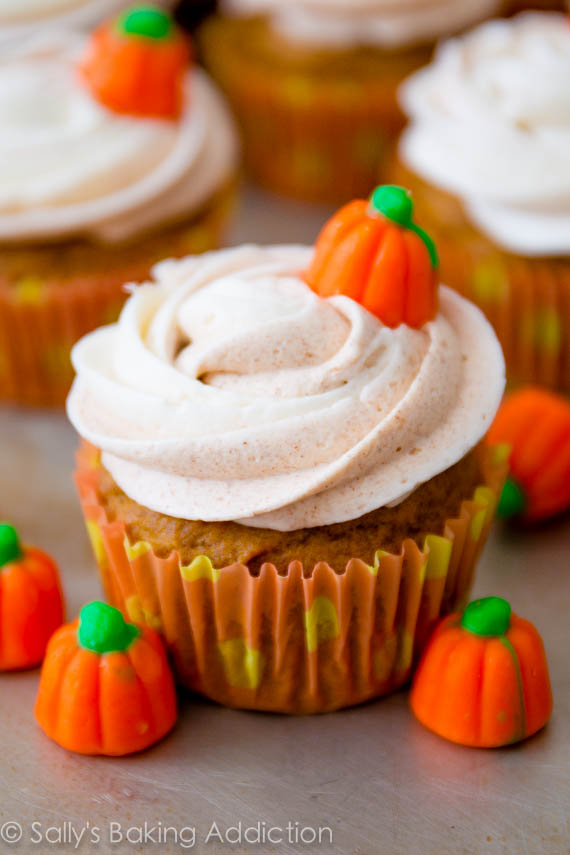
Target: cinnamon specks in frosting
{"type": "Point", "coordinates": [235, 427]}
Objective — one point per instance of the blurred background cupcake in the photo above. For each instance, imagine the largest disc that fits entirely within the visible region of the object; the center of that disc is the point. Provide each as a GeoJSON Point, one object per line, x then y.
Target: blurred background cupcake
{"type": "Point", "coordinates": [113, 154]}
{"type": "Point", "coordinates": [313, 82]}
{"type": "Point", "coordinates": [487, 154]}
{"type": "Point", "coordinates": [20, 18]}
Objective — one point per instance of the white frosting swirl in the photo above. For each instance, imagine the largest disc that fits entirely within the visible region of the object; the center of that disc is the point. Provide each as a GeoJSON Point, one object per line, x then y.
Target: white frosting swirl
{"type": "Point", "coordinates": [69, 166]}
{"type": "Point", "coordinates": [384, 23]}
{"type": "Point", "coordinates": [228, 390]}
{"type": "Point", "coordinates": [490, 122]}
{"type": "Point", "coordinates": [19, 18]}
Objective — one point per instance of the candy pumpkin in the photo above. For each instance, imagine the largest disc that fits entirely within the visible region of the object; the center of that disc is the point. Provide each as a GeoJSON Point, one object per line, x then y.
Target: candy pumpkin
{"type": "Point", "coordinates": [535, 423]}
{"type": "Point", "coordinates": [136, 64]}
{"type": "Point", "coordinates": [373, 252]}
{"type": "Point", "coordinates": [105, 686]}
{"type": "Point", "coordinates": [31, 602]}
{"type": "Point", "coordinates": [483, 679]}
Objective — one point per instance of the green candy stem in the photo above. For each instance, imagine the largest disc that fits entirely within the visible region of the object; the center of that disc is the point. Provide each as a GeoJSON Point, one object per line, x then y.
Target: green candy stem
{"type": "Point", "coordinates": [513, 500]}
{"type": "Point", "coordinates": [10, 549]}
{"type": "Point", "coordinates": [103, 629]}
{"type": "Point", "coordinates": [395, 203]}
{"type": "Point", "coordinates": [148, 20]}
{"type": "Point", "coordinates": [487, 617]}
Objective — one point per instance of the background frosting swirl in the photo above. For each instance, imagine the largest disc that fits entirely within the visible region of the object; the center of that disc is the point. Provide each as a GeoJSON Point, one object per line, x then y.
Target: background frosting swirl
{"type": "Point", "coordinates": [21, 17]}
{"type": "Point", "coordinates": [228, 390]}
{"type": "Point", "coordinates": [385, 23]}
{"type": "Point", "coordinates": [490, 122]}
{"type": "Point", "coordinates": [70, 166]}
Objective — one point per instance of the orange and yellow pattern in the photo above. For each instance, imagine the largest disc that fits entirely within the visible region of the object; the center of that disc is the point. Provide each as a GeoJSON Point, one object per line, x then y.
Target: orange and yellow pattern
{"type": "Point", "coordinates": [293, 643]}
{"type": "Point", "coordinates": [71, 290]}
{"type": "Point", "coordinates": [527, 300]}
{"type": "Point", "coordinates": [316, 124]}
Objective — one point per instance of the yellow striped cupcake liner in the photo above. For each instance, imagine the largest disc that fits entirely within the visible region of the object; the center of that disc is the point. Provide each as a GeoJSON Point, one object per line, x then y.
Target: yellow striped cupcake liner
{"type": "Point", "coordinates": [527, 300]}
{"type": "Point", "coordinates": [50, 296]}
{"type": "Point", "coordinates": [293, 643]}
{"type": "Point", "coordinates": [315, 127]}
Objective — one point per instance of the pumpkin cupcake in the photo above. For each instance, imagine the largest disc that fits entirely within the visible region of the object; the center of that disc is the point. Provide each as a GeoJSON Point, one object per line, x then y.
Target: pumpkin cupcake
{"type": "Point", "coordinates": [313, 82]}
{"type": "Point", "coordinates": [282, 469]}
{"type": "Point", "coordinates": [114, 153]}
{"type": "Point", "coordinates": [487, 153]}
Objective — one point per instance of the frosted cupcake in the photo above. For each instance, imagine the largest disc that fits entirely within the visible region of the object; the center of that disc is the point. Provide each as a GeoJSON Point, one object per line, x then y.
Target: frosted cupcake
{"type": "Point", "coordinates": [114, 153]}
{"type": "Point", "coordinates": [313, 82]}
{"type": "Point", "coordinates": [290, 489]}
{"type": "Point", "coordinates": [21, 18]}
{"type": "Point", "coordinates": [487, 154]}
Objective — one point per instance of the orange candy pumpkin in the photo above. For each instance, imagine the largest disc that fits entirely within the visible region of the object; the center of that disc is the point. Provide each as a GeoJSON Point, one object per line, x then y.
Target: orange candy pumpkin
{"type": "Point", "coordinates": [535, 423]}
{"type": "Point", "coordinates": [31, 602]}
{"type": "Point", "coordinates": [136, 64]}
{"type": "Point", "coordinates": [483, 679]}
{"type": "Point", "coordinates": [105, 686]}
{"type": "Point", "coordinates": [373, 252]}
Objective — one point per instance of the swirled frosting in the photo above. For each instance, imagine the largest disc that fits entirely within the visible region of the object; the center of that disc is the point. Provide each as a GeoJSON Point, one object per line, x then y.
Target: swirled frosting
{"type": "Point", "coordinates": [21, 17]}
{"type": "Point", "coordinates": [385, 23]}
{"type": "Point", "coordinates": [228, 390]}
{"type": "Point", "coordinates": [70, 166]}
{"type": "Point", "coordinates": [490, 122]}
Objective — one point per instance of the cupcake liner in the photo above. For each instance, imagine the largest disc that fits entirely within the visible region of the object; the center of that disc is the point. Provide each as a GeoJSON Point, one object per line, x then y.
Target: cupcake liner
{"type": "Point", "coordinates": [527, 300]}
{"type": "Point", "coordinates": [289, 642]}
{"type": "Point", "coordinates": [51, 296]}
{"type": "Point", "coordinates": [314, 128]}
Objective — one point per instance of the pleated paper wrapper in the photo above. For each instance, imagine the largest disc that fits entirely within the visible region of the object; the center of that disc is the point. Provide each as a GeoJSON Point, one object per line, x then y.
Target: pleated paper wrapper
{"type": "Point", "coordinates": [288, 642]}
{"type": "Point", "coordinates": [315, 129]}
{"type": "Point", "coordinates": [527, 300]}
{"type": "Point", "coordinates": [50, 298]}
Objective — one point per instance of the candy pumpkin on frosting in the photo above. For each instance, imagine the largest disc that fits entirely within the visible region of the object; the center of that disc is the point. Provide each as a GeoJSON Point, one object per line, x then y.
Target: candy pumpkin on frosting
{"type": "Point", "coordinates": [535, 423]}
{"type": "Point", "coordinates": [135, 64]}
{"type": "Point", "coordinates": [483, 679]}
{"type": "Point", "coordinates": [31, 602]}
{"type": "Point", "coordinates": [105, 687]}
{"type": "Point", "coordinates": [373, 252]}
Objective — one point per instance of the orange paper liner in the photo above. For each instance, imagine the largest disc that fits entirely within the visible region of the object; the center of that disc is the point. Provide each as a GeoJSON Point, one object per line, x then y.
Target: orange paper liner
{"type": "Point", "coordinates": [290, 643]}
{"type": "Point", "coordinates": [314, 127]}
{"type": "Point", "coordinates": [51, 296]}
{"type": "Point", "coordinates": [527, 300]}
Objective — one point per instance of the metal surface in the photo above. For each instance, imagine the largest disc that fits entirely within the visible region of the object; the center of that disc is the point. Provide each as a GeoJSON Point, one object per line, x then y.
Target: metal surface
{"type": "Point", "coordinates": [376, 778]}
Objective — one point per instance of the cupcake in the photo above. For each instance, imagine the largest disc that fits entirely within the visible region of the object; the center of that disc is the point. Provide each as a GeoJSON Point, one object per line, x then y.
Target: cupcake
{"type": "Point", "coordinates": [114, 153]}
{"type": "Point", "coordinates": [313, 82]}
{"type": "Point", "coordinates": [21, 18]}
{"type": "Point", "coordinates": [487, 154]}
{"type": "Point", "coordinates": [291, 490]}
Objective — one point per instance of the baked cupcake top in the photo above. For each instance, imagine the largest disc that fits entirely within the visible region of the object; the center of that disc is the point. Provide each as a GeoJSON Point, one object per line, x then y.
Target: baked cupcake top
{"type": "Point", "coordinates": [384, 23]}
{"type": "Point", "coordinates": [21, 17]}
{"type": "Point", "coordinates": [230, 390]}
{"type": "Point", "coordinates": [71, 166]}
{"type": "Point", "coordinates": [490, 123]}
